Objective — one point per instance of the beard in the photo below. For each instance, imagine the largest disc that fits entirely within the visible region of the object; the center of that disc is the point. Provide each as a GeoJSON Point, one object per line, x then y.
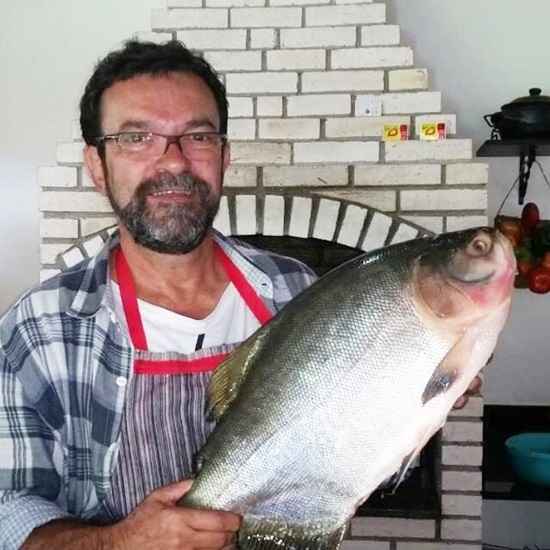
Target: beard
{"type": "Point", "coordinates": [170, 228]}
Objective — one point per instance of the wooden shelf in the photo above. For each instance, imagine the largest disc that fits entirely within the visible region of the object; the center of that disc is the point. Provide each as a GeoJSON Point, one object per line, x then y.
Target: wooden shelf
{"type": "Point", "coordinates": [513, 148]}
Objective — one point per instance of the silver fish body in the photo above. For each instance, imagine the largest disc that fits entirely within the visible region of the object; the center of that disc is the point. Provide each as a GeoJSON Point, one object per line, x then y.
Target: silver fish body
{"type": "Point", "coordinates": [345, 385]}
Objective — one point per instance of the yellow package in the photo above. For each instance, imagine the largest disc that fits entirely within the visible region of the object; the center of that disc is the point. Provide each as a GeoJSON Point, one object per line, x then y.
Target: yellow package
{"type": "Point", "coordinates": [433, 131]}
{"type": "Point", "coordinates": [396, 132]}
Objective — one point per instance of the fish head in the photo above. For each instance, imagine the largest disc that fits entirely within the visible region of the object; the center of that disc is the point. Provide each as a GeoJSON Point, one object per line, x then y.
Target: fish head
{"type": "Point", "coordinates": [462, 276]}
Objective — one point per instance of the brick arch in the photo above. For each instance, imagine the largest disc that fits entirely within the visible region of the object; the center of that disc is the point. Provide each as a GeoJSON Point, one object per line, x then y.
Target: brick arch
{"type": "Point", "coordinates": [301, 215]}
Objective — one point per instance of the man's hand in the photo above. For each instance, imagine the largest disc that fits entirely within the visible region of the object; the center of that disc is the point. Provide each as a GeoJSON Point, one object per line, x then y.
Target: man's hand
{"type": "Point", "coordinates": [473, 389]}
{"type": "Point", "coordinates": [156, 523]}
{"type": "Point", "coordinates": [159, 523]}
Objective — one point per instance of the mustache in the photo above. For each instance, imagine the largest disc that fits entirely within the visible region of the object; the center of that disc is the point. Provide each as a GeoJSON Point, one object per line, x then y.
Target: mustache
{"type": "Point", "coordinates": [164, 181]}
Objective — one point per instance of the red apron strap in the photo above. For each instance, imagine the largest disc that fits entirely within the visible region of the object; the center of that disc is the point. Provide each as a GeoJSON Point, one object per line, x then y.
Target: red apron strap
{"type": "Point", "coordinates": [245, 289]}
{"type": "Point", "coordinates": [178, 366]}
{"type": "Point", "coordinates": [129, 300]}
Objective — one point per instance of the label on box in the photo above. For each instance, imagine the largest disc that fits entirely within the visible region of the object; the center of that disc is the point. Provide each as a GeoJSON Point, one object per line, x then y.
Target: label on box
{"type": "Point", "coordinates": [396, 132]}
{"type": "Point", "coordinates": [433, 131]}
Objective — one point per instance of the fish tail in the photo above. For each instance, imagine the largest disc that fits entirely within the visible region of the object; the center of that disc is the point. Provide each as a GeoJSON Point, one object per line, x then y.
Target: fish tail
{"type": "Point", "coordinates": [262, 535]}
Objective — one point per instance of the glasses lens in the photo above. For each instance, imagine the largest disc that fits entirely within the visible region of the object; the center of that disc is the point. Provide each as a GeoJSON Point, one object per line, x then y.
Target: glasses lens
{"type": "Point", "coordinates": [138, 142]}
{"type": "Point", "coordinates": [200, 145]}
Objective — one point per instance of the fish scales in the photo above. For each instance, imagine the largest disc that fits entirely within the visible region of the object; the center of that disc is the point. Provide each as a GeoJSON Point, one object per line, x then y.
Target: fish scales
{"type": "Point", "coordinates": [332, 399]}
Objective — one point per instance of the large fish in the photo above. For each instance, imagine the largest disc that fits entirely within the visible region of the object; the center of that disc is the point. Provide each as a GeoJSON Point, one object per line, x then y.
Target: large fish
{"type": "Point", "coordinates": [347, 383]}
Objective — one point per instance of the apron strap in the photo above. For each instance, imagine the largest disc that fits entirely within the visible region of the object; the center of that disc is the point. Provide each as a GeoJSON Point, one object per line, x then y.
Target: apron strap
{"type": "Point", "coordinates": [245, 289]}
{"type": "Point", "coordinates": [129, 300]}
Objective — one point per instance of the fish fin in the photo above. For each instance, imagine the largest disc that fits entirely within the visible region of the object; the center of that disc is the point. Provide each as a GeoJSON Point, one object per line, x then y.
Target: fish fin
{"type": "Point", "coordinates": [227, 378]}
{"type": "Point", "coordinates": [259, 534]}
{"type": "Point", "coordinates": [403, 469]}
{"type": "Point", "coordinates": [443, 377]}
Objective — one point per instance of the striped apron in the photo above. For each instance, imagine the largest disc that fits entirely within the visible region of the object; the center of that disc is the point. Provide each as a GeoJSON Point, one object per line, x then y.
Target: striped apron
{"type": "Point", "coordinates": [164, 423]}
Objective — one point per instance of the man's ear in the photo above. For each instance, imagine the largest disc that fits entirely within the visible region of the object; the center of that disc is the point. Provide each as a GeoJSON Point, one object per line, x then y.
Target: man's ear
{"type": "Point", "coordinates": [226, 156]}
{"type": "Point", "coordinates": [95, 167]}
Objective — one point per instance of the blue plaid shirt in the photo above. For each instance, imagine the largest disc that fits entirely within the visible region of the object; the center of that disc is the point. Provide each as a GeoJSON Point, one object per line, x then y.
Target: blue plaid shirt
{"type": "Point", "coordinates": [64, 365]}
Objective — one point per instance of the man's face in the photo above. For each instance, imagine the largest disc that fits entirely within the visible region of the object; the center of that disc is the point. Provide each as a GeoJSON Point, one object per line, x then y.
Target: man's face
{"type": "Point", "coordinates": [166, 202]}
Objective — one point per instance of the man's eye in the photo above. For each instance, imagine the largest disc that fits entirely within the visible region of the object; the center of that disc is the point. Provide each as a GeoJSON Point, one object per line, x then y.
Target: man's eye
{"type": "Point", "coordinates": [202, 138]}
{"type": "Point", "coordinates": [136, 139]}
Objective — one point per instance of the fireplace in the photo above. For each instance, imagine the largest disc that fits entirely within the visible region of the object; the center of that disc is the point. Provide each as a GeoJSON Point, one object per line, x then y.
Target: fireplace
{"type": "Point", "coordinates": [311, 86]}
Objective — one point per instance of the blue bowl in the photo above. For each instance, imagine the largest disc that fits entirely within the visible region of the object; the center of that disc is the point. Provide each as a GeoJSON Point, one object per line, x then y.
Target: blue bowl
{"type": "Point", "coordinates": [529, 455]}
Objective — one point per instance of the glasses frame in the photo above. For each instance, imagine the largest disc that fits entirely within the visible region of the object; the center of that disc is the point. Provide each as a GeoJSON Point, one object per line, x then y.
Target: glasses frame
{"type": "Point", "coordinates": [170, 139]}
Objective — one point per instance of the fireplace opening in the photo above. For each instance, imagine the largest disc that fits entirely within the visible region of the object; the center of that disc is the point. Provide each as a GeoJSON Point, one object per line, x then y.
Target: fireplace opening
{"type": "Point", "coordinates": [418, 496]}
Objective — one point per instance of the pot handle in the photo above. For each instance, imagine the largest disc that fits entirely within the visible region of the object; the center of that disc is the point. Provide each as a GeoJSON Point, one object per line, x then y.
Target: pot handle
{"type": "Point", "coordinates": [489, 120]}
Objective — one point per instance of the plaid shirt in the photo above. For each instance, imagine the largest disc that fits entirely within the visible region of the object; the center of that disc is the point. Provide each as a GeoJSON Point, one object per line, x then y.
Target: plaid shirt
{"type": "Point", "coordinates": [64, 366]}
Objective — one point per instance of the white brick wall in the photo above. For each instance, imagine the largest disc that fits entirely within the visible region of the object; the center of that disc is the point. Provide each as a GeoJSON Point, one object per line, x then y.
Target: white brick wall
{"type": "Point", "coordinates": [239, 176]}
{"type": "Point", "coordinates": [380, 35]}
{"type": "Point", "coordinates": [322, 104]}
{"type": "Point", "coordinates": [235, 61]}
{"type": "Point", "coordinates": [305, 176]}
{"type": "Point", "coordinates": [345, 15]}
{"type": "Point", "coordinates": [454, 455]}
{"type": "Point", "coordinates": [266, 17]}
{"type": "Point", "coordinates": [460, 481]}
{"type": "Point", "coordinates": [73, 201]}
{"type": "Point", "coordinates": [407, 79]}
{"type": "Point", "coordinates": [189, 18]}
{"type": "Point", "coordinates": [321, 37]}
{"type": "Point", "coordinates": [349, 127]}
{"type": "Point", "coordinates": [461, 505]}
{"type": "Point", "coordinates": [338, 81]}
{"type": "Point", "coordinates": [444, 200]}
{"type": "Point", "coordinates": [294, 60]}
{"type": "Point", "coordinates": [205, 39]}
{"type": "Point", "coordinates": [405, 174]}
{"type": "Point", "coordinates": [417, 151]}
{"type": "Point", "coordinates": [269, 106]}
{"type": "Point", "coordinates": [57, 176]}
{"type": "Point", "coordinates": [461, 529]}
{"type": "Point", "coordinates": [393, 527]}
{"type": "Point", "coordinates": [463, 431]}
{"type": "Point", "coordinates": [336, 151]}
{"type": "Point", "coordinates": [413, 102]}
{"type": "Point", "coordinates": [61, 228]}
{"type": "Point", "coordinates": [258, 83]}
{"type": "Point", "coordinates": [260, 153]}
{"type": "Point", "coordinates": [241, 128]}
{"type": "Point", "coordinates": [357, 58]}
{"type": "Point", "coordinates": [262, 38]}
{"type": "Point", "coordinates": [290, 128]}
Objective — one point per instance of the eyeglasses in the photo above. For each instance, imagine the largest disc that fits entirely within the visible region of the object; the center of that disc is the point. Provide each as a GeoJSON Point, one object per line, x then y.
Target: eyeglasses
{"type": "Point", "coordinates": [194, 145]}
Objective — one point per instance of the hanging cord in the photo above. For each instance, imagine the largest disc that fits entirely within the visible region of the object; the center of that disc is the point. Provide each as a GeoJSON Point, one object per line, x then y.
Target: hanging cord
{"type": "Point", "coordinates": [506, 196]}
{"type": "Point", "coordinates": [544, 176]}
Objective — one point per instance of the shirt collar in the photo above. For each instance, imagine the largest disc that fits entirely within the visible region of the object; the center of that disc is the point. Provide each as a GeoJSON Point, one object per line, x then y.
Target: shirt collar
{"type": "Point", "coordinates": [84, 286]}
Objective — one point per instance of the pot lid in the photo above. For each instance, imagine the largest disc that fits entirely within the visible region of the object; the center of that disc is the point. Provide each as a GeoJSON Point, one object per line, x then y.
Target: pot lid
{"type": "Point", "coordinates": [535, 97]}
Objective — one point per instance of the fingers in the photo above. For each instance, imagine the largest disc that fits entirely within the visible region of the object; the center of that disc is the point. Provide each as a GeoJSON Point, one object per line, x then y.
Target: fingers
{"type": "Point", "coordinates": [207, 540]}
{"type": "Point", "coordinates": [211, 520]}
{"type": "Point", "coordinates": [475, 385]}
{"type": "Point", "coordinates": [170, 494]}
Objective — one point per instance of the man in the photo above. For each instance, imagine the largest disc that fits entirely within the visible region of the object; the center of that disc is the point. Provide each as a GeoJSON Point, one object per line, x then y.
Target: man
{"type": "Point", "coordinates": [104, 368]}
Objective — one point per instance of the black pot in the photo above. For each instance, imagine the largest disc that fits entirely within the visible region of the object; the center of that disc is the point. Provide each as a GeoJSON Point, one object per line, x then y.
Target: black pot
{"type": "Point", "coordinates": [524, 118]}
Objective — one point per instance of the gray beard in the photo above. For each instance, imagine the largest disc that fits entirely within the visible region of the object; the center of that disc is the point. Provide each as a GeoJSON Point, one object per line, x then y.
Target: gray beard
{"type": "Point", "coordinates": [172, 228]}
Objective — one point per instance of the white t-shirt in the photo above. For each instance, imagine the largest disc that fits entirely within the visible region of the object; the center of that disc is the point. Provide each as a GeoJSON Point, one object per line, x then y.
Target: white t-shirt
{"type": "Point", "coordinates": [230, 322]}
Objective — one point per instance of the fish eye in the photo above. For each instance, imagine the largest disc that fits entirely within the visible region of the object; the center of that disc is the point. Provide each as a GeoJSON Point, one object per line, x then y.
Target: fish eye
{"type": "Point", "coordinates": [480, 245]}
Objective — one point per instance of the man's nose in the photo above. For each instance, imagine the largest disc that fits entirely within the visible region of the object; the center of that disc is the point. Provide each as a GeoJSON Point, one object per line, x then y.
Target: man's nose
{"type": "Point", "coordinates": [173, 156]}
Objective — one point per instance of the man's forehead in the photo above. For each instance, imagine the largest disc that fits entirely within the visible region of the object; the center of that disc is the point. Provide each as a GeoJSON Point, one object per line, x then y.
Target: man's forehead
{"type": "Point", "coordinates": [165, 95]}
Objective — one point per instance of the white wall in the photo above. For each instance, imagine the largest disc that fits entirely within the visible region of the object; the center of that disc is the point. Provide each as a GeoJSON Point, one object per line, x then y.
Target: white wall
{"type": "Point", "coordinates": [480, 55]}
{"type": "Point", "coordinates": [47, 51]}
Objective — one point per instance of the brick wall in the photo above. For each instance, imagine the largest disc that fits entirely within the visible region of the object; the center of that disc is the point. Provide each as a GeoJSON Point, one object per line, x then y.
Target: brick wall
{"type": "Point", "coordinates": [311, 84]}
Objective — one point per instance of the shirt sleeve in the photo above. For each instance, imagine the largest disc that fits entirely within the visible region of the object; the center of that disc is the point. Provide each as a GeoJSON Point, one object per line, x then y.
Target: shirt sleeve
{"type": "Point", "coordinates": [29, 479]}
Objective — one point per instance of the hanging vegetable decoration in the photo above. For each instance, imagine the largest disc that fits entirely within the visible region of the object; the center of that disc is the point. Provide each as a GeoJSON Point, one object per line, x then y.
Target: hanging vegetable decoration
{"type": "Point", "coordinates": [530, 237]}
